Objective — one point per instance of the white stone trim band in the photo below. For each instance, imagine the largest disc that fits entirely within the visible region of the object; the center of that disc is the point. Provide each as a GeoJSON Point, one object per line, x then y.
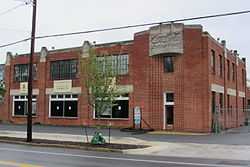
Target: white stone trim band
{"type": "Point", "coordinates": [217, 88]}
{"type": "Point", "coordinates": [231, 92]}
{"type": "Point", "coordinates": [14, 92]}
{"type": "Point", "coordinates": [242, 94]}
{"type": "Point", "coordinates": [74, 90]}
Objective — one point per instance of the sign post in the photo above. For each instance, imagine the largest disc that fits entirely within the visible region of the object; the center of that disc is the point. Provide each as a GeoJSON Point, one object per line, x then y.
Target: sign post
{"type": "Point", "coordinates": [137, 117]}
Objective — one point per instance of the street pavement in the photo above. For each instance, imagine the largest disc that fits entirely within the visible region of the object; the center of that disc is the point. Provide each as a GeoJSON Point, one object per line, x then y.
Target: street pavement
{"type": "Point", "coordinates": [240, 136]}
{"type": "Point", "coordinates": [231, 145]}
{"type": "Point", "coordinates": [12, 155]}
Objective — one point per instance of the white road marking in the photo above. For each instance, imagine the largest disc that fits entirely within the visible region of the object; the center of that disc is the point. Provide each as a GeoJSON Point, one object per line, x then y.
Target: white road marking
{"type": "Point", "coordinates": [117, 158]}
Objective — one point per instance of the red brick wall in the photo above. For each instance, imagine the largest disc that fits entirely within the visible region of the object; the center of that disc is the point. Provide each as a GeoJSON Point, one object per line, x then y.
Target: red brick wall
{"type": "Point", "coordinates": [190, 82]}
{"type": "Point", "coordinates": [236, 117]}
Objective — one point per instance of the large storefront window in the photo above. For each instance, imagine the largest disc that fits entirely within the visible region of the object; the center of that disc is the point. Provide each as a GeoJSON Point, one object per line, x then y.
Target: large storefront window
{"type": "Point", "coordinates": [63, 69]}
{"type": "Point", "coordinates": [63, 105]}
{"type": "Point", "coordinates": [119, 110]}
{"type": "Point", "coordinates": [20, 105]}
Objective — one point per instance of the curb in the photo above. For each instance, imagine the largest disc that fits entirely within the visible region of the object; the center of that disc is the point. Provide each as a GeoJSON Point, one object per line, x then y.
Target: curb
{"type": "Point", "coordinates": [178, 133]}
{"type": "Point", "coordinates": [62, 146]}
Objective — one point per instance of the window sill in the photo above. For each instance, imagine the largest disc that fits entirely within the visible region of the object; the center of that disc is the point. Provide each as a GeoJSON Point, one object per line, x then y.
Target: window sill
{"type": "Point", "coordinates": [113, 119]}
{"type": "Point", "coordinates": [72, 118]}
{"type": "Point", "coordinates": [22, 116]}
{"type": "Point", "coordinates": [72, 79]}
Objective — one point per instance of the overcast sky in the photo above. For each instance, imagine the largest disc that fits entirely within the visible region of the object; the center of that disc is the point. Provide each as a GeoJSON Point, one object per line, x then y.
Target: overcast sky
{"type": "Point", "coordinates": [60, 16]}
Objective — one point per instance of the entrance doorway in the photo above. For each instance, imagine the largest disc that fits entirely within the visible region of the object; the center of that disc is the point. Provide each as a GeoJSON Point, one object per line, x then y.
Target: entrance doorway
{"type": "Point", "coordinates": [168, 110]}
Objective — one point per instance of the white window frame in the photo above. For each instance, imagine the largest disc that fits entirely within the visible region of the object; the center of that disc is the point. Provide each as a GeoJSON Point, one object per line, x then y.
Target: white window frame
{"type": "Point", "coordinates": [24, 99]}
{"type": "Point", "coordinates": [62, 99]}
{"type": "Point", "coordinates": [165, 103]}
{"type": "Point", "coordinates": [118, 98]}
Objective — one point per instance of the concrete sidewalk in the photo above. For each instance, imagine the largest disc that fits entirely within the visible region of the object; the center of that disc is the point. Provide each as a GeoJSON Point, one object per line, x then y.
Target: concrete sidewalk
{"type": "Point", "coordinates": [194, 150]}
{"type": "Point", "coordinates": [69, 137]}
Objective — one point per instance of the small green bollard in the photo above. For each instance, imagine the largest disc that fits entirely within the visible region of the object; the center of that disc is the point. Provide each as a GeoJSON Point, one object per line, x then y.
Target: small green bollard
{"type": "Point", "coordinates": [98, 138]}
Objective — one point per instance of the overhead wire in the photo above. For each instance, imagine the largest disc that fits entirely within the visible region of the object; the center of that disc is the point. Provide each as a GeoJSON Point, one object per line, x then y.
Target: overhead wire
{"type": "Point", "coordinates": [129, 26]}
{"type": "Point", "coordinates": [14, 8]}
{"type": "Point", "coordinates": [142, 25]}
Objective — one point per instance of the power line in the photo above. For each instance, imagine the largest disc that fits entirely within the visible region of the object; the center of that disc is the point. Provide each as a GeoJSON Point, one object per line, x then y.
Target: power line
{"type": "Point", "coordinates": [143, 25]}
{"type": "Point", "coordinates": [14, 43]}
{"type": "Point", "coordinates": [14, 8]}
{"type": "Point", "coordinates": [130, 26]}
{"type": "Point", "coordinates": [11, 9]}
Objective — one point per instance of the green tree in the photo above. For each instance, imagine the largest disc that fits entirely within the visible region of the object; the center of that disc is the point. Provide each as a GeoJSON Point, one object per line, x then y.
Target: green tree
{"type": "Point", "coordinates": [100, 80]}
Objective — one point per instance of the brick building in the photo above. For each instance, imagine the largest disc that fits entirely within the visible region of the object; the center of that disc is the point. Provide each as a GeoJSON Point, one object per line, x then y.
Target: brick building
{"type": "Point", "coordinates": [248, 98]}
{"type": "Point", "coordinates": [178, 76]}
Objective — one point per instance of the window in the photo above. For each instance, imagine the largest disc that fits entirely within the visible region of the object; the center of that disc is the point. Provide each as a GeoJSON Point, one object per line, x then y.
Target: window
{"type": "Point", "coordinates": [168, 64]}
{"type": "Point", "coordinates": [248, 104]}
{"type": "Point", "coordinates": [63, 69]}
{"type": "Point", "coordinates": [20, 105]}
{"type": "Point", "coordinates": [21, 72]}
{"type": "Point", "coordinates": [228, 70]}
{"type": "Point", "coordinates": [169, 97]}
{"type": "Point", "coordinates": [233, 71]}
{"type": "Point", "coordinates": [228, 102]}
{"type": "Point", "coordinates": [221, 100]}
{"type": "Point", "coordinates": [63, 106]}
{"type": "Point", "coordinates": [213, 103]}
{"type": "Point", "coordinates": [119, 63]}
{"type": "Point", "coordinates": [221, 66]}
{"type": "Point", "coordinates": [243, 77]}
{"type": "Point", "coordinates": [169, 108]}
{"type": "Point", "coordinates": [243, 104]}
{"type": "Point", "coordinates": [120, 109]}
{"type": "Point", "coordinates": [213, 65]}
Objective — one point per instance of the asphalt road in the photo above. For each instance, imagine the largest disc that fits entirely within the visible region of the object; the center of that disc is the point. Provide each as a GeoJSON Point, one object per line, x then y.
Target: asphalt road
{"type": "Point", "coordinates": [239, 136]}
{"type": "Point", "coordinates": [12, 155]}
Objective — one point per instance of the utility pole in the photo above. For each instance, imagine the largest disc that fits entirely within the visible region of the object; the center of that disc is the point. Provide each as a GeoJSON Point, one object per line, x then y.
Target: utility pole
{"type": "Point", "coordinates": [32, 48]}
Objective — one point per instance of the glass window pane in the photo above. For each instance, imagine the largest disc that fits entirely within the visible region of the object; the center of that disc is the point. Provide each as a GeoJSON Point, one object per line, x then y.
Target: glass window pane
{"type": "Point", "coordinates": [56, 108]}
{"type": "Point", "coordinates": [70, 109]}
{"type": "Point", "coordinates": [106, 112]}
{"type": "Point", "coordinates": [19, 108]}
{"type": "Point", "coordinates": [121, 109]}
{"type": "Point", "coordinates": [53, 96]}
{"type": "Point", "coordinates": [34, 107]}
{"type": "Point", "coordinates": [169, 97]}
{"type": "Point", "coordinates": [74, 96]}
{"type": "Point", "coordinates": [168, 64]}
{"type": "Point", "coordinates": [63, 69]}
{"type": "Point", "coordinates": [170, 114]}
{"type": "Point", "coordinates": [68, 96]}
{"type": "Point", "coordinates": [21, 72]}
{"type": "Point", "coordinates": [60, 96]}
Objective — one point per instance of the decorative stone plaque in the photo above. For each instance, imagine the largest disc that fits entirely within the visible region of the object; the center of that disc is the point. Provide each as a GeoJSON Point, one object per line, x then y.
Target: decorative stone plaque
{"type": "Point", "coordinates": [62, 86]}
{"type": "Point", "coordinates": [24, 87]}
{"type": "Point", "coordinates": [166, 38]}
